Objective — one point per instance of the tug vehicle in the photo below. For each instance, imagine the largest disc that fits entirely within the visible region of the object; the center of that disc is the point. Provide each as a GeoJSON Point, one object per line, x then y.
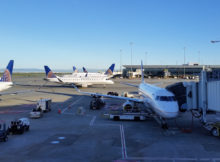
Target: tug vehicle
{"type": "Point", "coordinates": [36, 113]}
{"type": "Point", "coordinates": [96, 103]}
{"type": "Point", "coordinates": [19, 126]}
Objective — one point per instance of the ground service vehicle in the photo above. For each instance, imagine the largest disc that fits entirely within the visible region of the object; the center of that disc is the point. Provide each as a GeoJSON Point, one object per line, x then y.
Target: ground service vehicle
{"type": "Point", "coordinates": [3, 132]}
{"type": "Point", "coordinates": [19, 126]}
{"type": "Point", "coordinates": [44, 104]}
{"type": "Point", "coordinates": [36, 113]}
{"type": "Point", "coordinates": [96, 103]}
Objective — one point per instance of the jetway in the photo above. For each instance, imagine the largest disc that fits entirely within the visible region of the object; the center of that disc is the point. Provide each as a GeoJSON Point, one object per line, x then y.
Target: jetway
{"type": "Point", "coordinates": [202, 96]}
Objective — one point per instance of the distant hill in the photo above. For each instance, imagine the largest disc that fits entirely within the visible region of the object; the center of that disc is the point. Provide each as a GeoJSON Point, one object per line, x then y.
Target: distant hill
{"type": "Point", "coordinates": [33, 70]}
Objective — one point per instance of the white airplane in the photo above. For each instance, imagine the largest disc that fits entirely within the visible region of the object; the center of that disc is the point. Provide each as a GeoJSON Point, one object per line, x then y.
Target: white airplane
{"type": "Point", "coordinates": [6, 79]}
{"type": "Point", "coordinates": [74, 70]}
{"type": "Point", "coordinates": [108, 73]}
{"type": "Point", "coordinates": [83, 81]}
{"type": "Point", "coordinates": [162, 103]}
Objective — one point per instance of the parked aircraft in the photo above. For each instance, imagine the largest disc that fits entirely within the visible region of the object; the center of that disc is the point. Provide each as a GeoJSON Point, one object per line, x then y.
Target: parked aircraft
{"type": "Point", "coordinates": [74, 70]}
{"type": "Point", "coordinates": [108, 73]}
{"type": "Point", "coordinates": [6, 79]}
{"type": "Point", "coordinates": [83, 81]}
{"type": "Point", "coordinates": [158, 101]}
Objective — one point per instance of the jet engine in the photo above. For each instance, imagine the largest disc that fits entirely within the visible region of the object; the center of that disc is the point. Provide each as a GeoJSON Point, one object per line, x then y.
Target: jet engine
{"type": "Point", "coordinates": [128, 106]}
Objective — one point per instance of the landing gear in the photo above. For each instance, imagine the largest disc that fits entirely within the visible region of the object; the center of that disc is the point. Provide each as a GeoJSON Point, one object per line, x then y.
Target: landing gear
{"type": "Point", "coordinates": [164, 126]}
{"type": "Point", "coordinates": [214, 132]}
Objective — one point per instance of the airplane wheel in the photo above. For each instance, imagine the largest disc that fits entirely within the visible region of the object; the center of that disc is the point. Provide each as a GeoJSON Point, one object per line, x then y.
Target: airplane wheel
{"type": "Point", "coordinates": [5, 139]}
{"type": "Point", "coordinates": [165, 126]}
{"type": "Point", "coordinates": [116, 118]}
{"type": "Point", "coordinates": [214, 132]}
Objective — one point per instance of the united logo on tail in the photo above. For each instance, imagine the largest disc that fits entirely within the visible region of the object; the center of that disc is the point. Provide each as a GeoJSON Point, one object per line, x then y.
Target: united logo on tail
{"type": "Point", "coordinates": [49, 73]}
{"type": "Point", "coordinates": [8, 72]}
{"type": "Point", "coordinates": [110, 70]}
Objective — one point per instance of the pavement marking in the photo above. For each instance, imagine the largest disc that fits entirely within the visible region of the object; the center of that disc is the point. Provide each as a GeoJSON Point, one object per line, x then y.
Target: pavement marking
{"type": "Point", "coordinates": [123, 144]}
{"type": "Point", "coordinates": [92, 121]}
{"type": "Point", "coordinates": [55, 142]}
{"type": "Point", "coordinates": [71, 104]}
{"type": "Point", "coordinates": [172, 159]}
{"type": "Point", "coordinates": [61, 138]}
{"type": "Point", "coordinates": [122, 134]}
{"type": "Point", "coordinates": [14, 112]}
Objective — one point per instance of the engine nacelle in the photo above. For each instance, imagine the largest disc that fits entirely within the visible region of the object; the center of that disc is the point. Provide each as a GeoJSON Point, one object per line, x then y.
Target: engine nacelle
{"type": "Point", "coordinates": [127, 106]}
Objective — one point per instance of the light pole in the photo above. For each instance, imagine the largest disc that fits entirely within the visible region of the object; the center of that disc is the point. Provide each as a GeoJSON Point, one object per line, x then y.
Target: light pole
{"type": "Point", "coordinates": [131, 43]}
{"type": "Point", "coordinates": [120, 59]}
{"type": "Point", "coordinates": [184, 70]}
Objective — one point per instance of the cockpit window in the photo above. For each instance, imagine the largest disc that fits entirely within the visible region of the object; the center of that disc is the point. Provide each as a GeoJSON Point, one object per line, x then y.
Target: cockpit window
{"type": "Point", "coordinates": [165, 98]}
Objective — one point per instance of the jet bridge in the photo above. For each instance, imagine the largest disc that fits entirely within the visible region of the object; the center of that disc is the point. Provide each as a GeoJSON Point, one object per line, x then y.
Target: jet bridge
{"type": "Point", "coordinates": [202, 96]}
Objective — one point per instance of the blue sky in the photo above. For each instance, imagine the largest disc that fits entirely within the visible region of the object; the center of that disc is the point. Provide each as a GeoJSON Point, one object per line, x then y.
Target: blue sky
{"type": "Point", "coordinates": [63, 33]}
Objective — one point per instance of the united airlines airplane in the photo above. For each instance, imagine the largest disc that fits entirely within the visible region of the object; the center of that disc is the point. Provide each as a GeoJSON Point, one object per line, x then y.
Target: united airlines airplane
{"type": "Point", "coordinates": [6, 79]}
{"type": "Point", "coordinates": [108, 73]}
{"type": "Point", "coordinates": [159, 101]}
{"type": "Point", "coordinates": [83, 81]}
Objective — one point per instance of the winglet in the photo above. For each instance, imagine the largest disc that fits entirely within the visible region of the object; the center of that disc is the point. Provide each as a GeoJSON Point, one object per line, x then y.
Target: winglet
{"type": "Point", "coordinates": [142, 72]}
{"type": "Point", "coordinates": [110, 70]}
{"type": "Point", "coordinates": [8, 72]}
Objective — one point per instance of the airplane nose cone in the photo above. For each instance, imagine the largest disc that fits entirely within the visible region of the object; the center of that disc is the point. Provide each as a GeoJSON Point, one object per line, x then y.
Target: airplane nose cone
{"type": "Point", "coordinates": [170, 110]}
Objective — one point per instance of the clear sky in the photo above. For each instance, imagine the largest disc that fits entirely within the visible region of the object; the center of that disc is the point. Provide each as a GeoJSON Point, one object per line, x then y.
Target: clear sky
{"type": "Point", "coordinates": [63, 33]}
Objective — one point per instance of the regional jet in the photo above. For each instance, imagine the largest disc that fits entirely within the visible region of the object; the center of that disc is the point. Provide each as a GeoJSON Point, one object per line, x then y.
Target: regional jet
{"type": "Point", "coordinates": [83, 81]}
{"type": "Point", "coordinates": [6, 79]}
{"type": "Point", "coordinates": [158, 101]}
{"type": "Point", "coordinates": [108, 73]}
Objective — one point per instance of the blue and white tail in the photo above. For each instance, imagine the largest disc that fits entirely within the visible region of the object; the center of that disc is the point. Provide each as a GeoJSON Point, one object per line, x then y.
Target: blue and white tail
{"type": "Point", "coordinates": [84, 70]}
{"type": "Point", "coordinates": [110, 70]}
{"type": "Point", "coordinates": [142, 72]}
{"type": "Point", "coordinates": [7, 75]}
{"type": "Point", "coordinates": [49, 73]}
{"type": "Point", "coordinates": [74, 69]}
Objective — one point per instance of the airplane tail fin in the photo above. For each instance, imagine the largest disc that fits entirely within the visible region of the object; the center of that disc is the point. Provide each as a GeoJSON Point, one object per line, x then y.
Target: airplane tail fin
{"type": "Point", "coordinates": [84, 70]}
{"type": "Point", "coordinates": [49, 73]}
{"type": "Point", "coordinates": [142, 72]}
{"type": "Point", "coordinates": [110, 70]}
{"type": "Point", "coordinates": [74, 69]}
{"type": "Point", "coordinates": [7, 75]}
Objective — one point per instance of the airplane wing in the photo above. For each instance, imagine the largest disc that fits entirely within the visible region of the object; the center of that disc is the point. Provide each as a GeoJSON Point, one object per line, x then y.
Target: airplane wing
{"type": "Point", "coordinates": [15, 92]}
{"type": "Point", "coordinates": [109, 96]}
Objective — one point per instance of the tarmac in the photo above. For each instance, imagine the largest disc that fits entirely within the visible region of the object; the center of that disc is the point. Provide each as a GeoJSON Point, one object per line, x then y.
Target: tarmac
{"type": "Point", "coordinates": [91, 136]}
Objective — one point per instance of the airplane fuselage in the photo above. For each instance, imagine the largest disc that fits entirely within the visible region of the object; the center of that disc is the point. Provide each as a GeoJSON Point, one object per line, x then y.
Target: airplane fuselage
{"type": "Point", "coordinates": [162, 102]}
{"type": "Point", "coordinates": [81, 81]}
{"type": "Point", "coordinates": [5, 85]}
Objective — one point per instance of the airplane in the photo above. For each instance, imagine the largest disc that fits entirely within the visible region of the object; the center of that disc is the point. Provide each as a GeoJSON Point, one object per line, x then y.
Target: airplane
{"type": "Point", "coordinates": [6, 79]}
{"type": "Point", "coordinates": [160, 102]}
{"type": "Point", "coordinates": [83, 81]}
{"type": "Point", "coordinates": [84, 70]}
{"type": "Point", "coordinates": [108, 73]}
{"type": "Point", "coordinates": [74, 70]}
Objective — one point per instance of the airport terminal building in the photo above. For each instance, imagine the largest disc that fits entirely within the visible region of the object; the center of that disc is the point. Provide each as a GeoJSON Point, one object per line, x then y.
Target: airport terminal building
{"type": "Point", "coordinates": [167, 70]}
